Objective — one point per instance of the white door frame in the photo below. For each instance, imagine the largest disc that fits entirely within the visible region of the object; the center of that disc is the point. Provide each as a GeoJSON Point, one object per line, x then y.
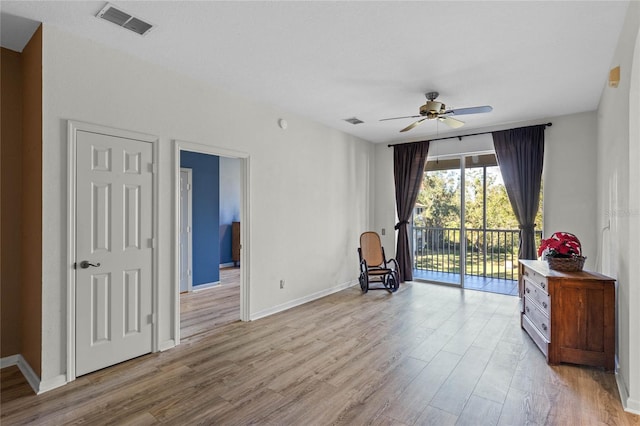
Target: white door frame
{"type": "Point", "coordinates": [72, 128]}
{"type": "Point", "coordinates": [189, 247]}
{"type": "Point", "coordinates": [244, 219]}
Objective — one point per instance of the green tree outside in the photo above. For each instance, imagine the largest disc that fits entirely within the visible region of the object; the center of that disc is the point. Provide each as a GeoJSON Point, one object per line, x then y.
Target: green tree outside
{"type": "Point", "coordinates": [438, 206]}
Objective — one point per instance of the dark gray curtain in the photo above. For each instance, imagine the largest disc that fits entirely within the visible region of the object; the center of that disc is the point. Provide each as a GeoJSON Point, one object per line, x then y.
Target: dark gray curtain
{"type": "Point", "coordinates": [408, 168]}
{"type": "Point", "coordinates": [520, 152]}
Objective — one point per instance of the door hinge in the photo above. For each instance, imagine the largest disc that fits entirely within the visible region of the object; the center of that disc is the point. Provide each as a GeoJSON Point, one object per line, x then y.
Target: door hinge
{"type": "Point", "coordinates": [152, 318]}
{"type": "Point", "coordinates": [188, 187]}
{"type": "Point", "coordinates": [153, 167]}
{"type": "Point", "coordinates": [152, 243]}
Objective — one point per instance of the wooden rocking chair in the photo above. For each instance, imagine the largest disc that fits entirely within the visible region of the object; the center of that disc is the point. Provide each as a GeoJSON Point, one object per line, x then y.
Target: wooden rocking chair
{"type": "Point", "coordinates": [374, 266]}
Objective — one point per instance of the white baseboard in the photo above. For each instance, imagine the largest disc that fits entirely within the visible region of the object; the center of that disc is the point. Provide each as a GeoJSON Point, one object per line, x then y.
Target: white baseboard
{"type": "Point", "coordinates": [30, 375]}
{"type": "Point", "coordinates": [54, 382]}
{"type": "Point", "coordinates": [167, 344]}
{"type": "Point", "coordinates": [629, 405]}
{"type": "Point", "coordinates": [227, 265]}
{"type": "Point", "coordinates": [302, 300]}
{"type": "Point", "coordinates": [8, 361]}
{"type": "Point", "coordinates": [200, 287]}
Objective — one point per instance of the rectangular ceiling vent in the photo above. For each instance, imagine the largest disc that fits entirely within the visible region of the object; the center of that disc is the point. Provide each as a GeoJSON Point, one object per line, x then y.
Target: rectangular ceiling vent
{"type": "Point", "coordinates": [125, 20]}
{"type": "Point", "coordinates": [353, 120]}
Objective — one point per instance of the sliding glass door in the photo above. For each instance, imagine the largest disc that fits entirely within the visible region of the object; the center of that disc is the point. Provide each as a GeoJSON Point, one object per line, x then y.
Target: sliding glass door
{"type": "Point", "coordinates": [437, 220]}
{"type": "Point", "coordinates": [464, 230]}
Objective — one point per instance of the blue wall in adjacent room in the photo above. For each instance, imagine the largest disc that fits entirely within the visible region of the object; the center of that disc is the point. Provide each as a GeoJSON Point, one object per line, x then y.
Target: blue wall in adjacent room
{"type": "Point", "coordinates": [206, 214]}
{"type": "Point", "coordinates": [229, 204]}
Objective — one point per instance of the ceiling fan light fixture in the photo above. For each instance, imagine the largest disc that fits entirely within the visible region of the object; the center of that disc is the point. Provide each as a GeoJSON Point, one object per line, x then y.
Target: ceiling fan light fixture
{"type": "Point", "coordinates": [438, 111]}
{"type": "Point", "coordinates": [432, 108]}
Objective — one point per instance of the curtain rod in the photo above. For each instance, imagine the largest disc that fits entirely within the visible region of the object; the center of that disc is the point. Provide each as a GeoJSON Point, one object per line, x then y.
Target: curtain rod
{"type": "Point", "coordinates": [456, 137]}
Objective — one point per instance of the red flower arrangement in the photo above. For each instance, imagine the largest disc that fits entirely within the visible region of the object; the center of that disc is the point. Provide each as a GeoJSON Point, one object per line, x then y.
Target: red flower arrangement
{"type": "Point", "coordinates": [560, 244]}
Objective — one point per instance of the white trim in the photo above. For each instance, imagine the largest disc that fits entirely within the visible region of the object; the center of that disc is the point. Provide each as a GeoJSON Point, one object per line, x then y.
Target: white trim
{"type": "Point", "coordinates": [50, 384]}
{"type": "Point", "coordinates": [244, 218]}
{"type": "Point", "coordinates": [629, 405]}
{"type": "Point", "coordinates": [155, 269]}
{"type": "Point", "coordinates": [175, 288]}
{"type": "Point", "coordinates": [302, 300]}
{"type": "Point", "coordinates": [72, 128]}
{"type": "Point", "coordinates": [8, 361]}
{"type": "Point", "coordinates": [167, 344]}
{"type": "Point", "coordinates": [189, 172]}
{"type": "Point", "coordinates": [71, 250]}
{"type": "Point", "coordinates": [31, 377]}
{"type": "Point", "coordinates": [227, 265]}
{"type": "Point", "coordinates": [205, 286]}
{"type": "Point", "coordinates": [29, 374]}
{"type": "Point", "coordinates": [245, 245]}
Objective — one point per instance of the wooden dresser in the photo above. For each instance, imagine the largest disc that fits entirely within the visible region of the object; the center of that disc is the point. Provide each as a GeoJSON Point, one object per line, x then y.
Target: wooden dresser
{"type": "Point", "coordinates": [569, 315]}
{"type": "Point", "coordinates": [235, 242]}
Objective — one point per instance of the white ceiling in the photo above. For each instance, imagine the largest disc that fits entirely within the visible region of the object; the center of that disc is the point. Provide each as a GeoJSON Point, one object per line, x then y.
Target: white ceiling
{"type": "Point", "coordinates": [334, 60]}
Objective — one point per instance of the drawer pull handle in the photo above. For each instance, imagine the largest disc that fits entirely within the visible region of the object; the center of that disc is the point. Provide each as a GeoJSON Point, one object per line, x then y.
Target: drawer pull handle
{"type": "Point", "coordinates": [542, 285]}
{"type": "Point", "coordinates": [544, 327]}
{"type": "Point", "coordinates": [527, 309]}
{"type": "Point", "coordinates": [526, 273]}
{"type": "Point", "coordinates": [528, 290]}
{"type": "Point", "coordinates": [544, 305]}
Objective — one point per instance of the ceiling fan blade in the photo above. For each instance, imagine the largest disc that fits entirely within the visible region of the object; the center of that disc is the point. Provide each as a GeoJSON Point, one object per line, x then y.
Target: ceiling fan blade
{"type": "Point", "coordinates": [451, 122]}
{"type": "Point", "coordinates": [471, 110]}
{"type": "Point", "coordinates": [398, 118]}
{"type": "Point", "coordinates": [414, 124]}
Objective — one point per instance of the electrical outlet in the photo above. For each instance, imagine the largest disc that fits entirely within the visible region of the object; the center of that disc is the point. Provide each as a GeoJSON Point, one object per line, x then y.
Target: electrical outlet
{"type": "Point", "coordinates": [383, 231]}
{"type": "Point", "coordinates": [281, 283]}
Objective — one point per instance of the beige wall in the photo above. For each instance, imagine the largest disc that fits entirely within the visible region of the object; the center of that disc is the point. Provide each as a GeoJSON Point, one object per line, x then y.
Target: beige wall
{"type": "Point", "coordinates": [569, 175]}
{"type": "Point", "coordinates": [32, 203]}
{"type": "Point", "coordinates": [309, 184]}
{"type": "Point", "coordinates": [11, 201]}
{"type": "Point", "coordinates": [618, 187]}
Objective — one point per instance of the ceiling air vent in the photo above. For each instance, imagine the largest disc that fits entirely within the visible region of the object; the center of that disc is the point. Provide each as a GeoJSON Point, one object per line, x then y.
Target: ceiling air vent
{"type": "Point", "coordinates": [353, 120]}
{"type": "Point", "coordinates": [124, 19]}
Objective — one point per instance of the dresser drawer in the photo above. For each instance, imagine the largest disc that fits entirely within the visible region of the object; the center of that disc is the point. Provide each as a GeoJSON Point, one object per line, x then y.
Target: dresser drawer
{"type": "Point", "coordinates": [538, 338]}
{"type": "Point", "coordinates": [538, 318]}
{"type": "Point", "coordinates": [532, 291]}
{"type": "Point", "coordinates": [536, 278]}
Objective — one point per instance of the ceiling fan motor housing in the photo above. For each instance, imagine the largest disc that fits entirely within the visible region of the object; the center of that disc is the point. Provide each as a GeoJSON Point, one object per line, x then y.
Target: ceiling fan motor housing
{"type": "Point", "coordinates": [432, 109]}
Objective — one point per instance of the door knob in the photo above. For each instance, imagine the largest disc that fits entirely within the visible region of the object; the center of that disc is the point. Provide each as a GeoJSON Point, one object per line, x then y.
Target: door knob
{"type": "Point", "coordinates": [85, 264]}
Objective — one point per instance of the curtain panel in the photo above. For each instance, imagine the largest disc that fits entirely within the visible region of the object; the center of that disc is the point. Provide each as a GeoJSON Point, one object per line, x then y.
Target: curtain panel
{"type": "Point", "coordinates": [520, 153]}
{"type": "Point", "coordinates": [408, 169]}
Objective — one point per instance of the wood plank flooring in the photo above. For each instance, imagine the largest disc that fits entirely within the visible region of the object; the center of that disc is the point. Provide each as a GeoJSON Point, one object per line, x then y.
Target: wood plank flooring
{"type": "Point", "coordinates": [211, 308]}
{"type": "Point", "coordinates": [425, 355]}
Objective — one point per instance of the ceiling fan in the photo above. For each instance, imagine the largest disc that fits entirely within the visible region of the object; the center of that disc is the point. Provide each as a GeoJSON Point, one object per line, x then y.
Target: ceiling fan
{"type": "Point", "coordinates": [437, 110]}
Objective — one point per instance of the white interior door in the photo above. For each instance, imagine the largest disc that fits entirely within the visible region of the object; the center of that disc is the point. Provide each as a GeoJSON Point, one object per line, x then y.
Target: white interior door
{"type": "Point", "coordinates": [114, 182]}
{"type": "Point", "coordinates": [186, 236]}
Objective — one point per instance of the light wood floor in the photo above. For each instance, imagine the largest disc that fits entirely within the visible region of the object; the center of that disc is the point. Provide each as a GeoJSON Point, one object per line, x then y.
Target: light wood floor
{"type": "Point", "coordinates": [211, 308]}
{"type": "Point", "coordinates": [424, 355]}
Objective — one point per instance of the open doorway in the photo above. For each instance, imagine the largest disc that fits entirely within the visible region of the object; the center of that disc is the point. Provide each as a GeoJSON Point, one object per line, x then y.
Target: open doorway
{"type": "Point", "coordinates": [214, 197]}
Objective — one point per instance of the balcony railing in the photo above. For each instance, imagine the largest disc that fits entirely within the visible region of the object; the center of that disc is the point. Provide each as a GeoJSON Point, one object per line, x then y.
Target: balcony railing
{"type": "Point", "coordinates": [491, 253]}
